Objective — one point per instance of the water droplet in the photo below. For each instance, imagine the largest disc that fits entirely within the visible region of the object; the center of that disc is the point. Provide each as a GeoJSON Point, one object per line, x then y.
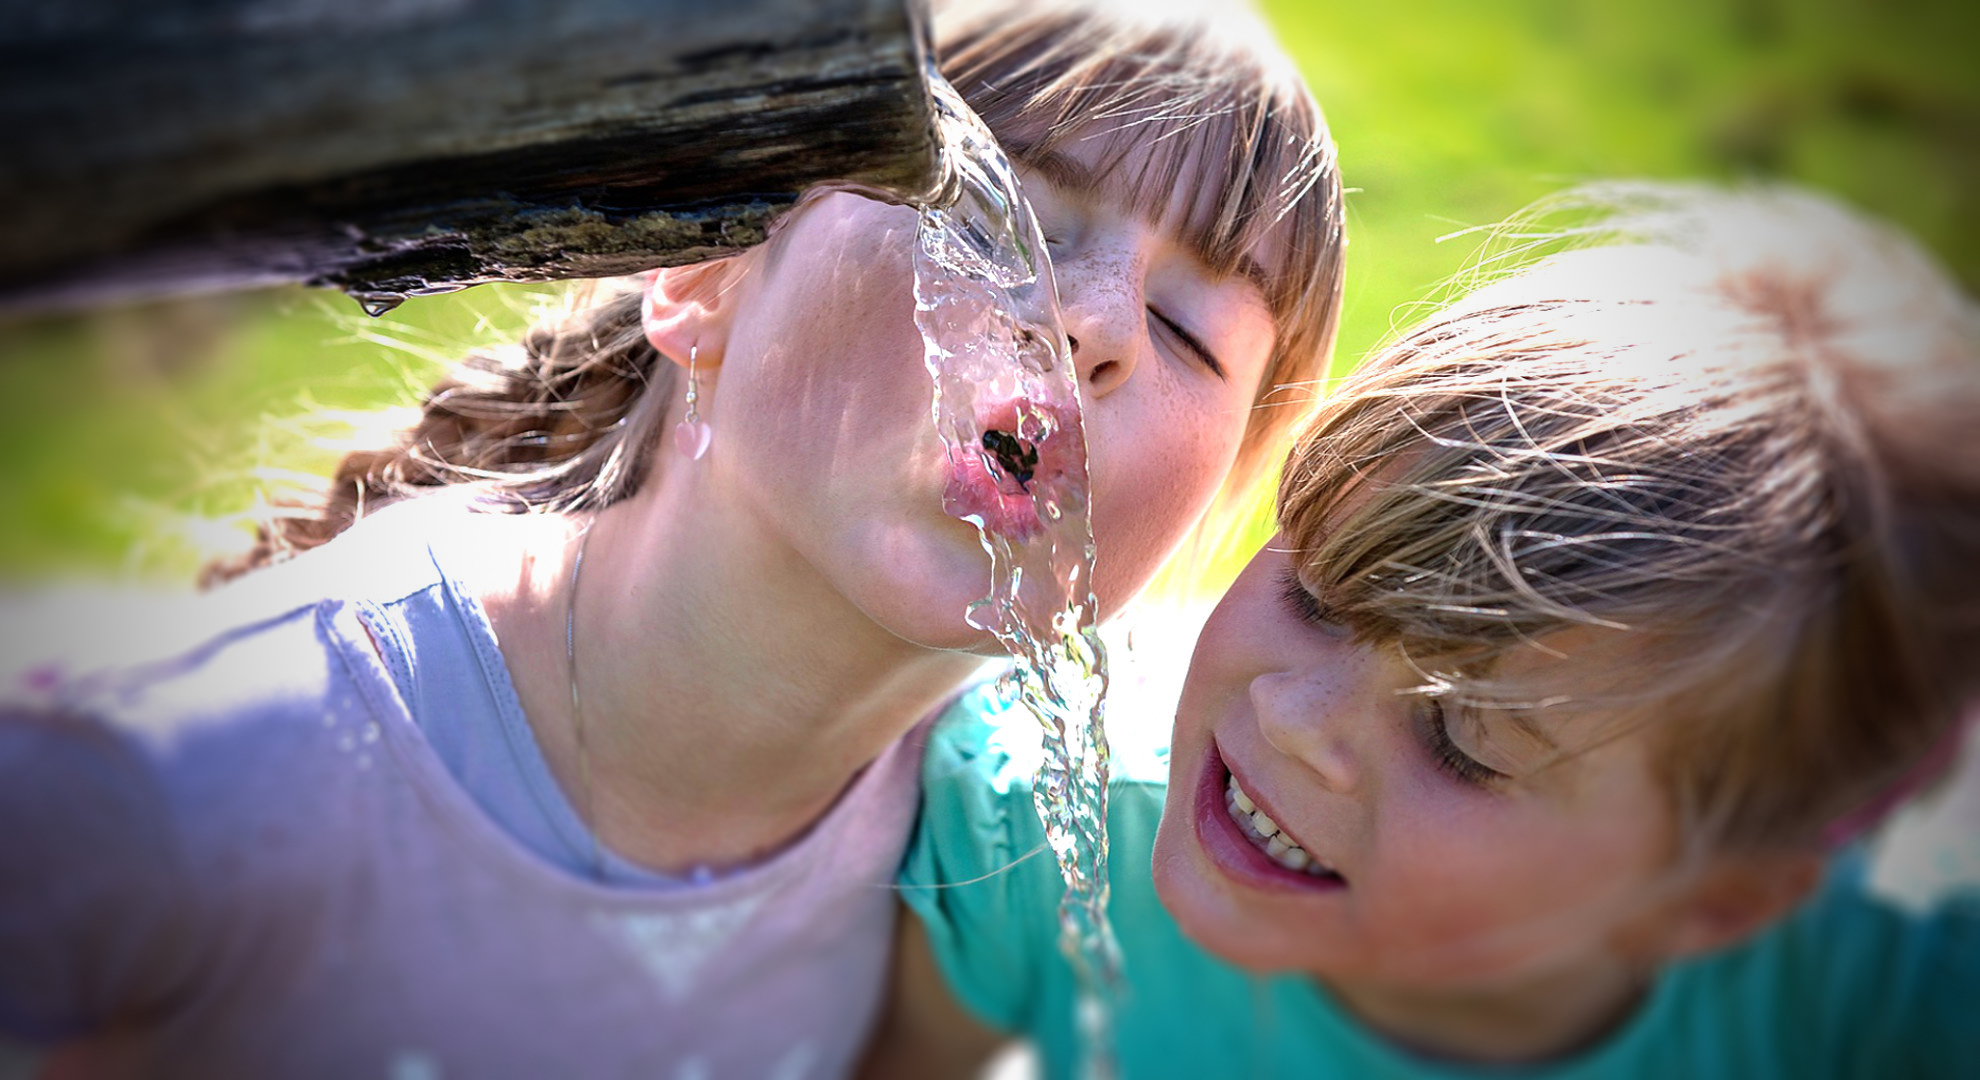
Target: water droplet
{"type": "Point", "coordinates": [377, 303]}
{"type": "Point", "coordinates": [371, 732]}
{"type": "Point", "coordinates": [346, 743]}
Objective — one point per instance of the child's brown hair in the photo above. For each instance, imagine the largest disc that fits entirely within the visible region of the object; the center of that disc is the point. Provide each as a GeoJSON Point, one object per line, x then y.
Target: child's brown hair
{"type": "Point", "coordinates": [1741, 427]}
{"type": "Point", "coordinates": [567, 418]}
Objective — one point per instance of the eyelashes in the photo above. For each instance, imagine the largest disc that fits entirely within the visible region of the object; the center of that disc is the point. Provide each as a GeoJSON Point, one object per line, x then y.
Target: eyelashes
{"type": "Point", "coordinates": [1449, 758]}
{"type": "Point", "coordinates": [1299, 600]}
{"type": "Point", "coordinates": [1190, 342]}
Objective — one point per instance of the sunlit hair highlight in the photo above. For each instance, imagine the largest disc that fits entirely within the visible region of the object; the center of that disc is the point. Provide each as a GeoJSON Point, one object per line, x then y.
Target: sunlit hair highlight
{"type": "Point", "coordinates": [568, 418]}
{"type": "Point", "coordinates": [1735, 427]}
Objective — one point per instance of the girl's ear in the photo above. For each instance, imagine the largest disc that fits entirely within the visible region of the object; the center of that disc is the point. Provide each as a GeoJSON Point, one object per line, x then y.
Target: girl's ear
{"type": "Point", "coordinates": [1736, 897]}
{"type": "Point", "coordinates": [691, 307]}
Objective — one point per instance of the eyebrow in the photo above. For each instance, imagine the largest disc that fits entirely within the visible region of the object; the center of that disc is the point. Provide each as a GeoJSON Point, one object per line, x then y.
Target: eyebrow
{"type": "Point", "coordinates": [1063, 171]}
{"type": "Point", "coordinates": [1068, 174]}
{"type": "Point", "coordinates": [1523, 720]}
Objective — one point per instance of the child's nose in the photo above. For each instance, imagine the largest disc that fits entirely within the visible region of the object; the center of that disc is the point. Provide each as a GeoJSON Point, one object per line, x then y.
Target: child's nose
{"type": "Point", "coordinates": [1311, 721]}
{"type": "Point", "coordinates": [1102, 309]}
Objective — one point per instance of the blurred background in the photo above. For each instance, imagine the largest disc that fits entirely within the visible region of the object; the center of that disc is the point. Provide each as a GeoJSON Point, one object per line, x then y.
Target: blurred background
{"type": "Point", "coordinates": [136, 439]}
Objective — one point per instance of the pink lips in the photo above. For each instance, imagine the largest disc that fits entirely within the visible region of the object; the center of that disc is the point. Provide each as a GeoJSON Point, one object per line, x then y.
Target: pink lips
{"type": "Point", "coordinates": [982, 489]}
{"type": "Point", "coordinates": [1232, 853]}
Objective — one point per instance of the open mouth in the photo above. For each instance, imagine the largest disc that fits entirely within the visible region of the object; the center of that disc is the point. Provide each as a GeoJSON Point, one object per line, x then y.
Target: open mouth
{"type": "Point", "coordinates": [1027, 457]}
{"type": "Point", "coordinates": [1018, 457]}
{"type": "Point", "coordinates": [1242, 839]}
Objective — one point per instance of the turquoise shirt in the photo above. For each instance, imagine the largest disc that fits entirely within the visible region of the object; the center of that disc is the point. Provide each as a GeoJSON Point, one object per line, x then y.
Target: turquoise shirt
{"type": "Point", "coordinates": [1848, 986]}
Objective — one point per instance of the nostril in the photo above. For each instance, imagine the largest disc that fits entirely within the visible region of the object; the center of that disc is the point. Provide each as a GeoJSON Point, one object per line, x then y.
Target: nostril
{"type": "Point", "coordinates": [1101, 372]}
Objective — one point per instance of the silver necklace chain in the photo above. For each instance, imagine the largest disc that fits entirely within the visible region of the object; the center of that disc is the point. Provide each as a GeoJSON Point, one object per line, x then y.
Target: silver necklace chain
{"type": "Point", "coordinates": [590, 817]}
{"type": "Point", "coordinates": [701, 874]}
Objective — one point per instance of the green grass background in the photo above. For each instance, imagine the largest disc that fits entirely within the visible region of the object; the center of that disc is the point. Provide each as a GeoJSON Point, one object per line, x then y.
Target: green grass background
{"type": "Point", "coordinates": [132, 440]}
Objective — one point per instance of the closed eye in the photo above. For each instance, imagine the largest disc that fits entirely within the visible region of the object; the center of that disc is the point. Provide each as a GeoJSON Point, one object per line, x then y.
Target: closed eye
{"type": "Point", "coordinates": [1448, 756]}
{"type": "Point", "coordinates": [1191, 342]}
{"type": "Point", "coordinates": [1301, 602]}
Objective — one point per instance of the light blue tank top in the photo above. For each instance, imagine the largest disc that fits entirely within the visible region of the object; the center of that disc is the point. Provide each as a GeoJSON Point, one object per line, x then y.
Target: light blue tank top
{"type": "Point", "coordinates": [442, 652]}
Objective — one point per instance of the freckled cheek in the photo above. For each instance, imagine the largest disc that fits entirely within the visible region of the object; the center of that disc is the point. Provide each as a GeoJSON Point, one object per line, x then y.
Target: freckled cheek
{"type": "Point", "coordinates": [1435, 847]}
{"type": "Point", "coordinates": [1462, 878]}
{"type": "Point", "coordinates": [1150, 479]}
{"type": "Point", "coordinates": [1446, 911]}
{"type": "Point", "coordinates": [1244, 638]}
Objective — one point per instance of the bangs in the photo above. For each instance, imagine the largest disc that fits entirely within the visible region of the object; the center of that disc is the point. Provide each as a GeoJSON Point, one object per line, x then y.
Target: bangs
{"type": "Point", "coordinates": [1461, 504]}
{"type": "Point", "coordinates": [1203, 128]}
{"type": "Point", "coordinates": [1212, 113]}
{"type": "Point", "coordinates": [1729, 431]}
{"type": "Point", "coordinates": [1527, 468]}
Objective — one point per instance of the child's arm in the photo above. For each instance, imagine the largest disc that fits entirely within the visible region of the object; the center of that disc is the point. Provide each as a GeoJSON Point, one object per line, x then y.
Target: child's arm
{"type": "Point", "coordinates": [923, 1031]}
{"type": "Point", "coordinates": [977, 941]}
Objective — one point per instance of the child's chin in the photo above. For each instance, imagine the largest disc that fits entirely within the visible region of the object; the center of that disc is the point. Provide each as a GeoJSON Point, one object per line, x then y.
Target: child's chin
{"type": "Point", "coordinates": [1206, 916]}
{"type": "Point", "coordinates": [1226, 937]}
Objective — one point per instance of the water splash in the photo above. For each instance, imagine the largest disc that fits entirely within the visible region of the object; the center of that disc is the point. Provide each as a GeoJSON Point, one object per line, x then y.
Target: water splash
{"type": "Point", "coordinates": [1006, 405]}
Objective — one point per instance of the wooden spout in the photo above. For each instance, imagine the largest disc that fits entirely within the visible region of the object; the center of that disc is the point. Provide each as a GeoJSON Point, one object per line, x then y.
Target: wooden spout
{"type": "Point", "coordinates": [396, 147]}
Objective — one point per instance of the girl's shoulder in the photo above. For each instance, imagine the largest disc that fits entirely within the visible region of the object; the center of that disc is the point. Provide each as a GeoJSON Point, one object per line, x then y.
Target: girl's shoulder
{"type": "Point", "coordinates": [1852, 984]}
{"type": "Point", "coordinates": [227, 716]}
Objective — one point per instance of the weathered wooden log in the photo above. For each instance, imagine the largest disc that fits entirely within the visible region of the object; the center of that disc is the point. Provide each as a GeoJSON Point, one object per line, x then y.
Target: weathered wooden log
{"type": "Point", "coordinates": [392, 147]}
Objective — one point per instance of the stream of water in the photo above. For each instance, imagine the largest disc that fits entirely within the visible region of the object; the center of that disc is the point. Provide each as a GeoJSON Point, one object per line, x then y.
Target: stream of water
{"type": "Point", "coordinates": [1006, 405]}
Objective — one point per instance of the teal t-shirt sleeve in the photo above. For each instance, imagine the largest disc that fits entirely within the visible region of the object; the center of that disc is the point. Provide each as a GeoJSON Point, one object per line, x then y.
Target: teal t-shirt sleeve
{"type": "Point", "coordinates": [1852, 985]}
{"type": "Point", "coordinates": [1937, 1028]}
{"type": "Point", "coordinates": [978, 872]}
{"type": "Point", "coordinates": [1954, 1027]}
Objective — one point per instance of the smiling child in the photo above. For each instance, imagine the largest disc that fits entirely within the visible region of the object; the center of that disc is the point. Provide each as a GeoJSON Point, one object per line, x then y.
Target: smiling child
{"type": "Point", "coordinates": [1608, 605]}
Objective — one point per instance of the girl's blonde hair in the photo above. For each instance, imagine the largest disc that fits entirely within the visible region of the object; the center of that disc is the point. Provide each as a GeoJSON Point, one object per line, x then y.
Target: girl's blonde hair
{"type": "Point", "coordinates": [569, 417]}
{"type": "Point", "coordinates": [1739, 427]}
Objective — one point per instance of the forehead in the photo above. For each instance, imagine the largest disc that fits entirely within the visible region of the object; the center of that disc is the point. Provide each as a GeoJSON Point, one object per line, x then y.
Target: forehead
{"type": "Point", "coordinates": [1173, 176]}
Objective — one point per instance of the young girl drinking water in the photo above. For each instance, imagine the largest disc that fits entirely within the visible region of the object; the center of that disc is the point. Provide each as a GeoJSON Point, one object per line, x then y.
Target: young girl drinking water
{"type": "Point", "coordinates": [1609, 605]}
{"type": "Point", "coordinates": [580, 750]}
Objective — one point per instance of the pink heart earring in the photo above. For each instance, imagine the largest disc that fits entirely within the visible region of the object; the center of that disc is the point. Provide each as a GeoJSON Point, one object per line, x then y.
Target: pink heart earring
{"type": "Point", "coordinates": [692, 434]}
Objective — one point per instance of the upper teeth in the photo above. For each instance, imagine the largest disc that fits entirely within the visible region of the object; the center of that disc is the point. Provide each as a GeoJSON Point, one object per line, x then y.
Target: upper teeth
{"type": "Point", "coordinates": [1266, 834]}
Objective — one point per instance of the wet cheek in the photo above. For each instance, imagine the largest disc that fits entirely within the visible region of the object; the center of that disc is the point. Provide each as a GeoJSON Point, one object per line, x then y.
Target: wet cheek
{"type": "Point", "coordinates": [832, 353]}
{"type": "Point", "coordinates": [846, 273]}
{"type": "Point", "coordinates": [1149, 483]}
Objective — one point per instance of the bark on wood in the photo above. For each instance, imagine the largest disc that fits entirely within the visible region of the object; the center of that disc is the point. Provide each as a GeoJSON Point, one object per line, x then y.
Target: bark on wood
{"type": "Point", "coordinates": [403, 146]}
